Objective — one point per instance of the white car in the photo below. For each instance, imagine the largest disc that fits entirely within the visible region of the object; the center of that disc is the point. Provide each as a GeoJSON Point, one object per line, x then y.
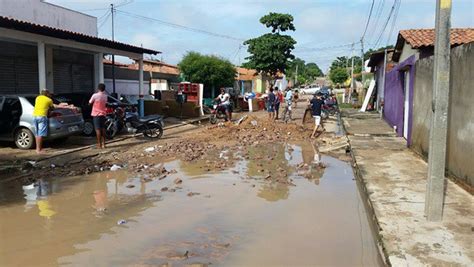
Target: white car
{"type": "Point", "coordinates": [310, 90]}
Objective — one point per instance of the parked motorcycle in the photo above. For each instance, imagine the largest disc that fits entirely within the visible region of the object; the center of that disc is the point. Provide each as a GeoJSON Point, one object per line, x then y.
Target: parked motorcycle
{"type": "Point", "coordinates": [217, 112]}
{"type": "Point", "coordinates": [150, 126]}
{"type": "Point", "coordinates": [114, 122]}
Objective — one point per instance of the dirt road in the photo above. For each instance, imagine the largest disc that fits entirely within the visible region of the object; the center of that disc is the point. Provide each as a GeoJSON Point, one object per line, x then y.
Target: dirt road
{"type": "Point", "coordinates": [255, 194]}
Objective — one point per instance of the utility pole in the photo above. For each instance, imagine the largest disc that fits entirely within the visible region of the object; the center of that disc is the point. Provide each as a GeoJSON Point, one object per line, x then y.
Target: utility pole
{"type": "Point", "coordinates": [362, 58]}
{"type": "Point", "coordinates": [352, 73]}
{"type": "Point", "coordinates": [296, 75]}
{"type": "Point", "coordinates": [112, 10]}
{"type": "Point", "coordinates": [439, 116]}
{"type": "Point", "coordinates": [383, 83]}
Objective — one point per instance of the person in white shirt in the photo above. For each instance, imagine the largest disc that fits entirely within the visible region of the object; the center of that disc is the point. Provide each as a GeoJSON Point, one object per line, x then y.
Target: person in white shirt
{"type": "Point", "coordinates": [224, 99]}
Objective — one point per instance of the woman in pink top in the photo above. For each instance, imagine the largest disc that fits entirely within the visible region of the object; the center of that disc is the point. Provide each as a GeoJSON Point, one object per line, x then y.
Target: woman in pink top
{"type": "Point", "coordinates": [99, 110]}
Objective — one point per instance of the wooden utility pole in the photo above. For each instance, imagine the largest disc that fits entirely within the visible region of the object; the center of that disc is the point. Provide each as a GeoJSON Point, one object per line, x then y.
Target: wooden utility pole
{"type": "Point", "coordinates": [439, 116]}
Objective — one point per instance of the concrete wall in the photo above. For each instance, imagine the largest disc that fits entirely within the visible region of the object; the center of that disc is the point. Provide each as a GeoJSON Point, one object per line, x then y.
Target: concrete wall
{"type": "Point", "coordinates": [40, 12]}
{"type": "Point", "coordinates": [460, 147]}
{"type": "Point", "coordinates": [407, 52]}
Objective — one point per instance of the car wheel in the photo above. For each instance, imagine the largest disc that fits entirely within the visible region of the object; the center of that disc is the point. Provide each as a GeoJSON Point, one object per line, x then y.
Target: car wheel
{"type": "Point", "coordinates": [24, 139]}
{"type": "Point", "coordinates": [88, 128]}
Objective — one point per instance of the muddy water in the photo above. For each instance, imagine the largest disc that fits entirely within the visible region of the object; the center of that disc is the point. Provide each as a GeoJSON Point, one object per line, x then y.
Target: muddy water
{"type": "Point", "coordinates": [229, 217]}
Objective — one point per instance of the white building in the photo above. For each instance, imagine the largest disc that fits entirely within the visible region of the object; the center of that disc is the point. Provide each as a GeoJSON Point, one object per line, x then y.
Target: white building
{"type": "Point", "coordinates": [47, 46]}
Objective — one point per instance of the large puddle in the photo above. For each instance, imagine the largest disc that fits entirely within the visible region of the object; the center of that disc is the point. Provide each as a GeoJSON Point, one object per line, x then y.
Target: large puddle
{"type": "Point", "coordinates": [272, 206]}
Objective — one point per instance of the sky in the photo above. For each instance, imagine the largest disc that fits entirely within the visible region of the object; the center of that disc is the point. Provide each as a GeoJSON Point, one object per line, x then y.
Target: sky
{"type": "Point", "coordinates": [324, 28]}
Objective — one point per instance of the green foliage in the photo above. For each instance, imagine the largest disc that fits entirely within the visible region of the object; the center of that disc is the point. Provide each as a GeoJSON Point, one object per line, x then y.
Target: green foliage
{"type": "Point", "coordinates": [307, 72]}
{"type": "Point", "coordinates": [270, 52]}
{"type": "Point", "coordinates": [209, 70]}
{"type": "Point", "coordinates": [278, 22]}
{"type": "Point", "coordinates": [338, 75]}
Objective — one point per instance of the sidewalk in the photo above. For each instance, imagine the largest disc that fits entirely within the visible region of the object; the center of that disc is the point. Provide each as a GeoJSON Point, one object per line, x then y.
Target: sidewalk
{"type": "Point", "coordinates": [394, 178]}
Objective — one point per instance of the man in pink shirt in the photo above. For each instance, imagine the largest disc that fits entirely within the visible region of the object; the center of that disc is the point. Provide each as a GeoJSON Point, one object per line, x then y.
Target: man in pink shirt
{"type": "Point", "coordinates": [99, 110]}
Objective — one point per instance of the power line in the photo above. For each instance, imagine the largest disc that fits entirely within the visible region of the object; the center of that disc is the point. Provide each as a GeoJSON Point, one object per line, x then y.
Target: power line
{"type": "Point", "coordinates": [368, 19]}
{"type": "Point", "coordinates": [174, 25]}
{"type": "Point", "coordinates": [306, 49]}
{"type": "Point", "coordinates": [386, 23]}
{"type": "Point", "coordinates": [394, 21]}
{"type": "Point", "coordinates": [105, 20]}
{"type": "Point", "coordinates": [378, 14]}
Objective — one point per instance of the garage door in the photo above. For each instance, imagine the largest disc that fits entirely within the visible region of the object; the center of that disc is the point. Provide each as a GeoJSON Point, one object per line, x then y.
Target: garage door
{"type": "Point", "coordinates": [73, 71]}
{"type": "Point", "coordinates": [18, 68]}
{"type": "Point", "coordinates": [18, 76]}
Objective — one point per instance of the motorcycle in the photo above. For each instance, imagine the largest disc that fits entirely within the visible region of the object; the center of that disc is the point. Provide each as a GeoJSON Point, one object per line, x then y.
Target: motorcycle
{"type": "Point", "coordinates": [114, 122]}
{"type": "Point", "coordinates": [150, 126]}
{"type": "Point", "coordinates": [217, 112]}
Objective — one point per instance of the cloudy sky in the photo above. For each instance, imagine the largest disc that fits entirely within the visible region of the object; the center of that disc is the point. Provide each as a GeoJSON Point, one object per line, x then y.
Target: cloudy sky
{"type": "Point", "coordinates": [324, 28]}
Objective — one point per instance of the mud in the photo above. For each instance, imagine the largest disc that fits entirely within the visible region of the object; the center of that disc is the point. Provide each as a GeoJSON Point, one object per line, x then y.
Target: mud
{"type": "Point", "coordinates": [247, 202]}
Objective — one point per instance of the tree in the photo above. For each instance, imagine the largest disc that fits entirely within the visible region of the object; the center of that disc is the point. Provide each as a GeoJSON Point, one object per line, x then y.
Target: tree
{"type": "Point", "coordinates": [271, 52]}
{"type": "Point", "coordinates": [307, 72]}
{"type": "Point", "coordinates": [338, 75]}
{"type": "Point", "coordinates": [278, 22]}
{"type": "Point", "coordinates": [212, 71]}
{"type": "Point", "coordinates": [313, 71]}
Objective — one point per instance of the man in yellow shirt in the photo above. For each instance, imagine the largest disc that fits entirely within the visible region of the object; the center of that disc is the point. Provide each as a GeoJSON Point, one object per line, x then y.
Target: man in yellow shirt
{"type": "Point", "coordinates": [43, 103]}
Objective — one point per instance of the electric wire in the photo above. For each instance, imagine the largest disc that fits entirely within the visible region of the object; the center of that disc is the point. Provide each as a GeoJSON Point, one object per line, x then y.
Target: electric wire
{"type": "Point", "coordinates": [174, 25]}
{"type": "Point", "coordinates": [378, 14]}
{"type": "Point", "coordinates": [105, 20]}
{"type": "Point", "coordinates": [386, 23]}
{"type": "Point", "coordinates": [368, 19]}
{"type": "Point", "coordinates": [394, 21]}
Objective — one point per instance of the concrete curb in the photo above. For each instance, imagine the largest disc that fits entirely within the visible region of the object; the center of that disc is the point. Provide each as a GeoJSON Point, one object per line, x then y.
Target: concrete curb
{"type": "Point", "coordinates": [368, 203]}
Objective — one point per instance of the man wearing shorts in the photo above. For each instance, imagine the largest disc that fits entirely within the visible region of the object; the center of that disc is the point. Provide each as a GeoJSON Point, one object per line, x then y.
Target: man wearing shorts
{"type": "Point", "coordinates": [316, 106]}
{"type": "Point", "coordinates": [288, 102]}
{"type": "Point", "coordinates": [43, 103]}
{"type": "Point", "coordinates": [99, 110]}
{"type": "Point", "coordinates": [271, 104]}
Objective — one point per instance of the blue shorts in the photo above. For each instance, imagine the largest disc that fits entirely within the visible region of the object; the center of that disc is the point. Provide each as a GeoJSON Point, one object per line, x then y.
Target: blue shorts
{"type": "Point", "coordinates": [271, 108]}
{"type": "Point", "coordinates": [99, 122]}
{"type": "Point", "coordinates": [41, 126]}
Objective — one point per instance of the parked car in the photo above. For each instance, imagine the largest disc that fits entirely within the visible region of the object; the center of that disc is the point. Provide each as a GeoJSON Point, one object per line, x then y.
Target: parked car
{"type": "Point", "coordinates": [17, 121]}
{"type": "Point", "coordinates": [309, 90]}
{"type": "Point", "coordinates": [81, 100]}
{"type": "Point", "coordinates": [133, 99]}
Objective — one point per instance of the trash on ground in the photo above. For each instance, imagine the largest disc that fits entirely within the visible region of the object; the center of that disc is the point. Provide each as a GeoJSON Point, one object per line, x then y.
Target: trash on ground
{"type": "Point", "coordinates": [149, 149]}
{"type": "Point", "coordinates": [115, 167]}
{"type": "Point", "coordinates": [120, 222]}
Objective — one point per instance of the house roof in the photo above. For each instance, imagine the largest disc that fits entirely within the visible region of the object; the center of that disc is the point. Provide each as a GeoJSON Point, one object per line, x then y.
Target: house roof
{"type": "Point", "coordinates": [424, 38]}
{"type": "Point", "coordinates": [24, 26]}
{"type": "Point", "coordinates": [377, 57]}
{"type": "Point", "coordinates": [244, 74]}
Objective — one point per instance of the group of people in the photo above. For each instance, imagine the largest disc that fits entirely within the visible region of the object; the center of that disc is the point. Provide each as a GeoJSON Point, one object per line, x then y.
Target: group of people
{"type": "Point", "coordinates": [44, 105]}
{"type": "Point", "coordinates": [274, 99]}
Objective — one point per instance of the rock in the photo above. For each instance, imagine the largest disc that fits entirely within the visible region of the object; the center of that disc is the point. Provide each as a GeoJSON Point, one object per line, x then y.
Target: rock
{"type": "Point", "coordinates": [130, 186]}
{"type": "Point", "coordinates": [178, 181]}
{"type": "Point", "coordinates": [164, 189]}
{"type": "Point", "coordinates": [190, 194]}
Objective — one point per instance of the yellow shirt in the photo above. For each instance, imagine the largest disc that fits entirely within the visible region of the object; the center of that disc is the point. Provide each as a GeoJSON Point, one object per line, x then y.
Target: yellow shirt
{"type": "Point", "coordinates": [42, 105]}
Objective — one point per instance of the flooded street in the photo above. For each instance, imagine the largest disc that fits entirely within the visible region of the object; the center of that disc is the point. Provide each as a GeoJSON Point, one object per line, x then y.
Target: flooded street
{"type": "Point", "coordinates": [273, 205]}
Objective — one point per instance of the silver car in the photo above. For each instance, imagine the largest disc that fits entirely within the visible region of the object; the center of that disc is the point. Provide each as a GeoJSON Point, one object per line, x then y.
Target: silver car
{"type": "Point", "coordinates": [16, 121]}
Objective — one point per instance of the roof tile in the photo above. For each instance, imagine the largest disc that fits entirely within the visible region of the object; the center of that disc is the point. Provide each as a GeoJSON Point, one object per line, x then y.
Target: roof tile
{"type": "Point", "coordinates": [426, 37]}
